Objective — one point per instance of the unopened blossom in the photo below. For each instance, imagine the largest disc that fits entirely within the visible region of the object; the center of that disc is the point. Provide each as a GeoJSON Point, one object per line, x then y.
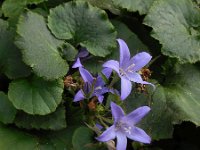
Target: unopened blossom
{"type": "Point", "coordinates": [92, 86]}
{"type": "Point", "coordinates": [127, 68]}
{"type": "Point", "coordinates": [124, 127]}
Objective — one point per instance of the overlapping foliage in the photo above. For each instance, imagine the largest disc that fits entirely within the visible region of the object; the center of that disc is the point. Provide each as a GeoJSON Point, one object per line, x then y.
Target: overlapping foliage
{"type": "Point", "coordinates": [41, 39]}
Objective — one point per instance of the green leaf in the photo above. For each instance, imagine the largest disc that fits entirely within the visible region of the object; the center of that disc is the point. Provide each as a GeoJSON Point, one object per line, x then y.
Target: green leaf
{"type": "Point", "coordinates": [83, 24]}
{"type": "Point", "coordinates": [7, 110]}
{"type": "Point", "coordinates": [176, 24]}
{"type": "Point", "coordinates": [104, 4]}
{"type": "Point", "coordinates": [39, 47]}
{"type": "Point", "coordinates": [177, 100]}
{"type": "Point", "coordinates": [159, 122]}
{"type": "Point", "coordinates": [13, 8]}
{"type": "Point", "coordinates": [53, 121]}
{"type": "Point", "coordinates": [134, 43]}
{"type": "Point", "coordinates": [82, 139]}
{"type": "Point", "coordinates": [96, 67]}
{"type": "Point", "coordinates": [182, 90]}
{"type": "Point", "coordinates": [62, 139]}
{"type": "Point", "coordinates": [15, 139]}
{"type": "Point", "coordinates": [10, 57]}
{"type": "Point", "coordinates": [134, 5]}
{"type": "Point", "coordinates": [35, 95]}
{"type": "Point", "coordinates": [12, 139]}
{"type": "Point", "coordinates": [35, 1]}
{"type": "Point", "coordinates": [69, 52]}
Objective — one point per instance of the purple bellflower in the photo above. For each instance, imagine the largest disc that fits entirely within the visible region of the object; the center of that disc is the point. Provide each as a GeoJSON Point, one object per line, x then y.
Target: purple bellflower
{"type": "Point", "coordinates": [92, 86]}
{"type": "Point", "coordinates": [124, 127]}
{"type": "Point", "coordinates": [127, 68]}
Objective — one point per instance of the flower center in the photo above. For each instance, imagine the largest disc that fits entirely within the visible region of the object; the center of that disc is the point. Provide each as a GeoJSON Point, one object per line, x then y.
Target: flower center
{"type": "Point", "coordinates": [98, 88]}
{"type": "Point", "coordinates": [123, 127]}
{"type": "Point", "coordinates": [122, 72]}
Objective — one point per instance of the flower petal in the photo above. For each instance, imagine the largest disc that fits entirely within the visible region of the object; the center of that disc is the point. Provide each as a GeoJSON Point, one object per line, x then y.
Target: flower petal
{"type": "Point", "coordinates": [126, 87]}
{"type": "Point", "coordinates": [135, 116]}
{"type": "Point", "coordinates": [99, 126]}
{"type": "Point", "coordinates": [121, 141]}
{"type": "Point", "coordinates": [100, 98]}
{"type": "Point", "coordinates": [107, 72]}
{"type": "Point", "coordinates": [139, 135]}
{"type": "Point", "coordinates": [117, 112]}
{"type": "Point", "coordinates": [107, 135]}
{"type": "Point", "coordinates": [113, 64]}
{"type": "Point", "coordinates": [79, 96]}
{"type": "Point", "coordinates": [99, 82]}
{"type": "Point", "coordinates": [124, 52]}
{"type": "Point", "coordinates": [136, 77]}
{"type": "Point", "coordinates": [87, 77]}
{"type": "Point", "coordinates": [77, 64]}
{"type": "Point", "coordinates": [140, 60]}
{"type": "Point", "coordinates": [83, 53]}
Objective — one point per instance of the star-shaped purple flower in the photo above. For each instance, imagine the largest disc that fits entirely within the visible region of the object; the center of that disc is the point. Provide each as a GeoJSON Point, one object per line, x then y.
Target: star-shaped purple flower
{"type": "Point", "coordinates": [124, 127]}
{"type": "Point", "coordinates": [127, 68]}
{"type": "Point", "coordinates": [92, 86]}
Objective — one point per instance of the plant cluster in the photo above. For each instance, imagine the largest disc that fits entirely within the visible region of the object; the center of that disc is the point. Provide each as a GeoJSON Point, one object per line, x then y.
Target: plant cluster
{"type": "Point", "coordinates": [91, 74]}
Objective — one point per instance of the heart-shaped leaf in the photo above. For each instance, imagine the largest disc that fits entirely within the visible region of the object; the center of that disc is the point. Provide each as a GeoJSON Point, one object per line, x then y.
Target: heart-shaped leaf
{"type": "Point", "coordinates": [175, 101]}
{"type": "Point", "coordinates": [7, 110]}
{"type": "Point", "coordinates": [53, 121]}
{"type": "Point", "coordinates": [13, 8]}
{"type": "Point", "coordinates": [35, 95]}
{"type": "Point", "coordinates": [10, 57]}
{"type": "Point", "coordinates": [83, 24]}
{"type": "Point", "coordinates": [39, 47]}
{"type": "Point", "coordinates": [134, 5]}
{"type": "Point", "coordinates": [176, 24]}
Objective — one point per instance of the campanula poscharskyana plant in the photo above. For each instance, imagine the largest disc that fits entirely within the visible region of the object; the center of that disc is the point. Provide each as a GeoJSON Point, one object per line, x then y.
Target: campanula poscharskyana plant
{"type": "Point", "coordinates": [127, 68]}
{"type": "Point", "coordinates": [124, 127]}
{"type": "Point", "coordinates": [92, 86]}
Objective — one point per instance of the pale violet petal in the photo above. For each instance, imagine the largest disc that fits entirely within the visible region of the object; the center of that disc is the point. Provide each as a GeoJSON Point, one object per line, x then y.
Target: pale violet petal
{"type": "Point", "coordinates": [107, 72]}
{"type": "Point", "coordinates": [136, 77]}
{"type": "Point", "coordinates": [100, 98]}
{"type": "Point", "coordinates": [140, 60]}
{"type": "Point", "coordinates": [79, 96]}
{"type": "Point", "coordinates": [126, 87]}
{"type": "Point", "coordinates": [139, 135]}
{"type": "Point", "coordinates": [77, 64]}
{"type": "Point", "coordinates": [99, 82]}
{"type": "Point", "coordinates": [87, 77]}
{"type": "Point", "coordinates": [113, 64]}
{"type": "Point", "coordinates": [117, 111]}
{"type": "Point", "coordinates": [124, 52]}
{"type": "Point", "coordinates": [135, 116]}
{"type": "Point", "coordinates": [121, 141]}
{"type": "Point", "coordinates": [107, 135]}
{"type": "Point", "coordinates": [83, 53]}
{"type": "Point", "coordinates": [100, 127]}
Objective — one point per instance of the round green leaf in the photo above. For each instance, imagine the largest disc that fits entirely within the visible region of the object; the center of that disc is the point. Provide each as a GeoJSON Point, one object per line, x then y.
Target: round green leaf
{"type": "Point", "coordinates": [53, 121]}
{"type": "Point", "coordinates": [82, 139]}
{"type": "Point", "coordinates": [10, 57]}
{"type": "Point", "coordinates": [12, 139]}
{"type": "Point", "coordinates": [104, 4]}
{"type": "Point", "coordinates": [158, 123]}
{"type": "Point", "coordinates": [35, 95]}
{"type": "Point", "coordinates": [39, 47]}
{"type": "Point", "coordinates": [13, 8]}
{"type": "Point", "coordinates": [182, 91]}
{"type": "Point", "coordinates": [134, 5]}
{"type": "Point", "coordinates": [176, 24]}
{"type": "Point", "coordinates": [7, 110]}
{"type": "Point", "coordinates": [83, 24]}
